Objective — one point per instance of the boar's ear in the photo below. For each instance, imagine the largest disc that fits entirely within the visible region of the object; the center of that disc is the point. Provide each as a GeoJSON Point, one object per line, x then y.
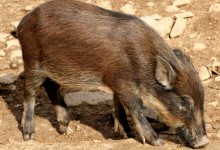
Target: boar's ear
{"type": "Point", "coordinates": [165, 74]}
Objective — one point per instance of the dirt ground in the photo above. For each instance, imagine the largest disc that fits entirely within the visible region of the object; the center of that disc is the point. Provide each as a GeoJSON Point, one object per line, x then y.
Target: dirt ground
{"type": "Point", "coordinates": [91, 126]}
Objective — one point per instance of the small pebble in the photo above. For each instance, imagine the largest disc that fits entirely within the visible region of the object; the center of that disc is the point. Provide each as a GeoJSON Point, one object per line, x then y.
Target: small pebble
{"type": "Point", "coordinates": [215, 7]}
{"type": "Point", "coordinates": [179, 3]}
{"type": "Point", "coordinates": [204, 73]}
{"type": "Point", "coordinates": [156, 16]}
{"type": "Point", "coordinates": [171, 9]}
{"type": "Point", "coordinates": [2, 53]}
{"type": "Point", "coordinates": [150, 4]}
{"type": "Point", "coordinates": [128, 9]}
{"type": "Point", "coordinates": [199, 46]}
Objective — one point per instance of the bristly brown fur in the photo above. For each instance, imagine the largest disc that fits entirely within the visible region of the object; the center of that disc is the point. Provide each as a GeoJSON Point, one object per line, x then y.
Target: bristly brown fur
{"type": "Point", "coordinates": [82, 46]}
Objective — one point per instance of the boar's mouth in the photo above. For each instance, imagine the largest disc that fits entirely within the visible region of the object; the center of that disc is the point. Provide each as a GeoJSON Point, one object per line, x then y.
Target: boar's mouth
{"type": "Point", "coordinates": [192, 140]}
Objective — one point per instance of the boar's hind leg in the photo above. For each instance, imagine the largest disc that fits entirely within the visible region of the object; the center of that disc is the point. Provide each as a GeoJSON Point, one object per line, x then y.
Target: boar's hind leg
{"type": "Point", "coordinates": [53, 92]}
{"type": "Point", "coordinates": [32, 83]}
{"type": "Point", "coordinates": [120, 119]}
{"type": "Point", "coordinates": [135, 106]}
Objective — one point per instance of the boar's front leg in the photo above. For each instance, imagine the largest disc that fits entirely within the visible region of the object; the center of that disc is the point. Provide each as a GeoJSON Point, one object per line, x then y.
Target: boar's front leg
{"type": "Point", "coordinates": [130, 100]}
{"type": "Point", "coordinates": [120, 119]}
{"type": "Point", "coordinates": [53, 92]}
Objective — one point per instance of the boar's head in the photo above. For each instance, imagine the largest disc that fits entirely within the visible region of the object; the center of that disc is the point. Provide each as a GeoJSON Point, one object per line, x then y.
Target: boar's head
{"type": "Point", "coordinates": [179, 97]}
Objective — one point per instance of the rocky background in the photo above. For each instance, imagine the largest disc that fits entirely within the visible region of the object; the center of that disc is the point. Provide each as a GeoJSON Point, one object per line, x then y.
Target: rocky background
{"type": "Point", "coordinates": [192, 25]}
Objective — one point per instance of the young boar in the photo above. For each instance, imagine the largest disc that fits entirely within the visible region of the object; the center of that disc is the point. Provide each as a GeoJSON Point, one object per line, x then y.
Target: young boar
{"type": "Point", "coordinates": [83, 47]}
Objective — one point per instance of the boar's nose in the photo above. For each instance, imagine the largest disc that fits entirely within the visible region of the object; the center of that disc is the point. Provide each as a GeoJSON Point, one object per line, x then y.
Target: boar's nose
{"type": "Point", "coordinates": [201, 143]}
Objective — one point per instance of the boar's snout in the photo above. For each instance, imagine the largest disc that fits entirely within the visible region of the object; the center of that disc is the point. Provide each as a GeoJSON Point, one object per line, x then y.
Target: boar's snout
{"type": "Point", "coordinates": [201, 142]}
{"type": "Point", "coordinates": [192, 138]}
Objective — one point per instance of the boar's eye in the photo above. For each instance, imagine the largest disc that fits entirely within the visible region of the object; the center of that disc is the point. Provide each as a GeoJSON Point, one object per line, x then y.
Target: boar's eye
{"type": "Point", "coordinates": [186, 104]}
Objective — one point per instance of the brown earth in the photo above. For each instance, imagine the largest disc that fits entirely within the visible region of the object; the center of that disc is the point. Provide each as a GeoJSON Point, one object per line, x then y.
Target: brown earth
{"type": "Point", "coordinates": [91, 126]}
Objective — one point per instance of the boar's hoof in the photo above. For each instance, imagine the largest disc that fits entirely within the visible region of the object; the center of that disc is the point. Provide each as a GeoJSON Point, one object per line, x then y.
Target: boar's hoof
{"type": "Point", "coordinates": [158, 142]}
{"type": "Point", "coordinates": [28, 136]}
{"type": "Point", "coordinates": [62, 128]}
{"type": "Point", "coordinates": [202, 143]}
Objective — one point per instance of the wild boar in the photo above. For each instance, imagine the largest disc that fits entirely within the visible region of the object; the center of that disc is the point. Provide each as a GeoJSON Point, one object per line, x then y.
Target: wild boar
{"type": "Point", "coordinates": [82, 47]}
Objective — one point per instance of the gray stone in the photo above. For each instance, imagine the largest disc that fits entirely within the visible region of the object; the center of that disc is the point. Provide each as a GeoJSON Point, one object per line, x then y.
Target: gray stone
{"type": "Point", "coordinates": [4, 65]}
{"type": "Point", "coordinates": [164, 26]}
{"type": "Point", "coordinates": [89, 1]}
{"type": "Point", "coordinates": [105, 4]}
{"type": "Point", "coordinates": [149, 20]}
{"type": "Point", "coordinates": [150, 4]}
{"type": "Point", "coordinates": [92, 98]}
{"type": "Point", "coordinates": [204, 73]}
{"type": "Point", "coordinates": [4, 37]}
{"type": "Point", "coordinates": [156, 16]}
{"type": "Point", "coordinates": [216, 62]}
{"type": "Point", "coordinates": [15, 24]}
{"type": "Point", "coordinates": [193, 35]}
{"type": "Point", "coordinates": [179, 3]}
{"type": "Point", "coordinates": [171, 9]}
{"type": "Point", "coordinates": [178, 28]}
{"type": "Point", "coordinates": [12, 43]}
{"type": "Point", "coordinates": [128, 8]}
{"type": "Point", "coordinates": [8, 78]}
{"type": "Point", "coordinates": [215, 7]}
{"type": "Point", "coordinates": [14, 64]}
{"type": "Point", "coordinates": [16, 54]}
{"type": "Point", "coordinates": [28, 8]}
{"type": "Point", "coordinates": [187, 14]}
{"type": "Point", "coordinates": [214, 103]}
{"type": "Point", "coordinates": [2, 53]}
{"type": "Point", "coordinates": [69, 131]}
{"type": "Point", "coordinates": [199, 46]}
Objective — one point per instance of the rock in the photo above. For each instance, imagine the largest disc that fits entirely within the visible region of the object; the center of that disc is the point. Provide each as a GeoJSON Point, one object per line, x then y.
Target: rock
{"type": "Point", "coordinates": [171, 9]}
{"type": "Point", "coordinates": [2, 53]}
{"type": "Point", "coordinates": [15, 54]}
{"type": "Point", "coordinates": [204, 73]}
{"type": "Point", "coordinates": [150, 4]}
{"type": "Point", "coordinates": [208, 126]}
{"type": "Point", "coordinates": [207, 118]}
{"type": "Point", "coordinates": [218, 133]}
{"type": "Point", "coordinates": [28, 8]}
{"type": "Point", "coordinates": [217, 79]}
{"type": "Point", "coordinates": [14, 64]}
{"type": "Point", "coordinates": [214, 104]}
{"type": "Point", "coordinates": [4, 37]}
{"type": "Point", "coordinates": [92, 98]}
{"type": "Point", "coordinates": [89, 1]}
{"type": "Point", "coordinates": [12, 43]}
{"type": "Point", "coordinates": [69, 131]}
{"type": "Point", "coordinates": [179, 3]}
{"type": "Point", "coordinates": [97, 141]}
{"type": "Point", "coordinates": [4, 65]}
{"type": "Point", "coordinates": [178, 28]}
{"type": "Point", "coordinates": [77, 128]}
{"type": "Point", "coordinates": [149, 20]}
{"type": "Point", "coordinates": [199, 46]}
{"type": "Point", "coordinates": [128, 9]}
{"type": "Point", "coordinates": [187, 14]}
{"type": "Point", "coordinates": [15, 24]}
{"type": "Point", "coordinates": [215, 62]}
{"type": "Point", "coordinates": [156, 16]}
{"type": "Point", "coordinates": [8, 78]}
{"type": "Point", "coordinates": [215, 7]}
{"type": "Point", "coordinates": [164, 26]}
{"type": "Point", "coordinates": [105, 4]}
{"type": "Point", "coordinates": [216, 126]}
{"type": "Point", "coordinates": [193, 35]}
